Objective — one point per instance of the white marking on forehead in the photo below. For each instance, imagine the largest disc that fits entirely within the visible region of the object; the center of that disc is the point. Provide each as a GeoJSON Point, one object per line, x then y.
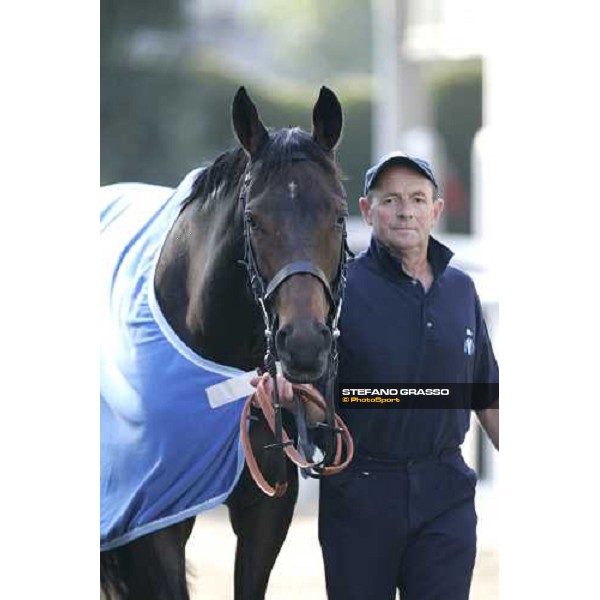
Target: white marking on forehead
{"type": "Point", "coordinates": [292, 186]}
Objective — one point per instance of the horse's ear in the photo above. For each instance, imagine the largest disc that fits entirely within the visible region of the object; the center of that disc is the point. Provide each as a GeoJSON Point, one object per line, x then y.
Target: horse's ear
{"type": "Point", "coordinates": [327, 120]}
{"type": "Point", "coordinates": [247, 125]}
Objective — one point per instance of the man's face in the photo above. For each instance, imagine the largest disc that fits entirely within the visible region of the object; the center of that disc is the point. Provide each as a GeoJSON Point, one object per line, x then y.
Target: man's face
{"type": "Point", "coordinates": [402, 209]}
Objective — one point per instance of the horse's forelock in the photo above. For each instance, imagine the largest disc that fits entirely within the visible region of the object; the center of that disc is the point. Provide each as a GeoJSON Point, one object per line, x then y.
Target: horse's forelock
{"type": "Point", "coordinates": [288, 145]}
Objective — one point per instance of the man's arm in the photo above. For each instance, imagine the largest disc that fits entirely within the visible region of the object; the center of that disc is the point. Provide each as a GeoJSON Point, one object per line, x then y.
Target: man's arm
{"type": "Point", "coordinates": [490, 421]}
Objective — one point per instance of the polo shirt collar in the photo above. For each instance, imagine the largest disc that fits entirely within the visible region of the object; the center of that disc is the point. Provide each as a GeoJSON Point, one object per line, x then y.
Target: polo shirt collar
{"type": "Point", "coordinates": [438, 256]}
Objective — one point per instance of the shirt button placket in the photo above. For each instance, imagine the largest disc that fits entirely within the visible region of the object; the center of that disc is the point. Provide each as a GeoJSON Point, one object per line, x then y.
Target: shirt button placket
{"type": "Point", "coordinates": [428, 320]}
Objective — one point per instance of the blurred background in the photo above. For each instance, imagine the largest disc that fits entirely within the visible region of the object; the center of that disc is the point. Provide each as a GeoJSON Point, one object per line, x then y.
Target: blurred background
{"type": "Point", "coordinates": [410, 74]}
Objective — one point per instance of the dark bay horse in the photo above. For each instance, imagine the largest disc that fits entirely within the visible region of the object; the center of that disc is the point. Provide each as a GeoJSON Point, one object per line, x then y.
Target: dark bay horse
{"type": "Point", "coordinates": [279, 194]}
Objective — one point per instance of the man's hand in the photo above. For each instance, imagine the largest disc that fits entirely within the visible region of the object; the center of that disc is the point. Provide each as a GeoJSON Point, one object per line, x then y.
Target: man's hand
{"type": "Point", "coordinates": [286, 392]}
{"type": "Point", "coordinates": [314, 414]}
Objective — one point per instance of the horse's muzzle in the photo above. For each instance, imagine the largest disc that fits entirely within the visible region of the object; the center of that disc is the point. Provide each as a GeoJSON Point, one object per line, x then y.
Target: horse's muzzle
{"type": "Point", "coordinates": [303, 348]}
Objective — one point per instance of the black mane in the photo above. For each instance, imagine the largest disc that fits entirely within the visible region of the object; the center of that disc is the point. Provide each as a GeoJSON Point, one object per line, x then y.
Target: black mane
{"type": "Point", "coordinates": [284, 147]}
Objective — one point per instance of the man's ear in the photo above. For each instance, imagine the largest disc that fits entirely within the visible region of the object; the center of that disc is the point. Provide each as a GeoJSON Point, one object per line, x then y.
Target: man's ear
{"type": "Point", "coordinates": [365, 210]}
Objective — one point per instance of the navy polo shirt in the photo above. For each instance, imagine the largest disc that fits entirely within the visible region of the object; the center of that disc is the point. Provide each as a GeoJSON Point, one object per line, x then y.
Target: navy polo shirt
{"type": "Point", "coordinates": [392, 331]}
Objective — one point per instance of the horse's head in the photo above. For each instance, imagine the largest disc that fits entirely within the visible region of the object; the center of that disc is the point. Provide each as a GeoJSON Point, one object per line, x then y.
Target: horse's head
{"type": "Point", "coordinates": [294, 221]}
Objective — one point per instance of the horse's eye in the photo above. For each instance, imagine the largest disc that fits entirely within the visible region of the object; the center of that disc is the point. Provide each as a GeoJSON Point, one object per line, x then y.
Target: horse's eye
{"type": "Point", "coordinates": [340, 221]}
{"type": "Point", "coordinates": [250, 220]}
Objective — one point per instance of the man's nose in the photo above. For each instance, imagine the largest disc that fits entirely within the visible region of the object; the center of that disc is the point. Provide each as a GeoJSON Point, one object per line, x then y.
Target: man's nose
{"type": "Point", "coordinates": [403, 212]}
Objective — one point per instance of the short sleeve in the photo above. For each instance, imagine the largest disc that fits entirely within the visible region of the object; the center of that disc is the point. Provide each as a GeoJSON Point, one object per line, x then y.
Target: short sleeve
{"type": "Point", "coordinates": [485, 374]}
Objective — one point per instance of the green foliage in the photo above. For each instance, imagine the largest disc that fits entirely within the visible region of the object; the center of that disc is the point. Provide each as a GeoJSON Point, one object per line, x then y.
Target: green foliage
{"type": "Point", "coordinates": [158, 124]}
{"type": "Point", "coordinates": [457, 111]}
{"type": "Point", "coordinates": [316, 38]}
{"type": "Point", "coordinates": [162, 115]}
{"type": "Point", "coordinates": [120, 19]}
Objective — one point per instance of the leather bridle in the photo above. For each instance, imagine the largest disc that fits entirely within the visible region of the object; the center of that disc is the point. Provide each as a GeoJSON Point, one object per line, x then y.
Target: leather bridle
{"type": "Point", "coordinates": [263, 292]}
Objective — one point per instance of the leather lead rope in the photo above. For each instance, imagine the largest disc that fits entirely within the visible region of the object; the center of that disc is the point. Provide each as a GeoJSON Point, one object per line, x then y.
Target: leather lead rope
{"type": "Point", "coordinates": [304, 393]}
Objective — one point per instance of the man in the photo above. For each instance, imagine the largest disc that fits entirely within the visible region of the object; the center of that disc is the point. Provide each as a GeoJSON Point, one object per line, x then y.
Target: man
{"type": "Point", "coordinates": [402, 516]}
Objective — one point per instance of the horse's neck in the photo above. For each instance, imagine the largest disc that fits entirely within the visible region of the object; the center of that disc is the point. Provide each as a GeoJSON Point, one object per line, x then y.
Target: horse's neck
{"type": "Point", "coordinates": [202, 289]}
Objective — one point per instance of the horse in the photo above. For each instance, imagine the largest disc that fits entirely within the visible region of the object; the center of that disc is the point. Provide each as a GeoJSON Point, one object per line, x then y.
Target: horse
{"type": "Point", "coordinates": [252, 262]}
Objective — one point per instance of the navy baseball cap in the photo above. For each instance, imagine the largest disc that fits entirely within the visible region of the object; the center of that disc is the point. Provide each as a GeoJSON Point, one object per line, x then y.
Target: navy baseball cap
{"type": "Point", "coordinates": [420, 165]}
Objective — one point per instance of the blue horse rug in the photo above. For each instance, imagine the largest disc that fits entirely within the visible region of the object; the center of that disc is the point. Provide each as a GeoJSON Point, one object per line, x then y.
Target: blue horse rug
{"type": "Point", "coordinates": [170, 444]}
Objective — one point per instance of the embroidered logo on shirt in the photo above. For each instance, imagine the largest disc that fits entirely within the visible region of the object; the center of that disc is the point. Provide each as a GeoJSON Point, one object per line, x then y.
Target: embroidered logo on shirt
{"type": "Point", "coordinates": [469, 345]}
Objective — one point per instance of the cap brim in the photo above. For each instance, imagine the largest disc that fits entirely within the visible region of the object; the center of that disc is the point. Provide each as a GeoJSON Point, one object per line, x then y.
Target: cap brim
{"type": "Point", "coordinates": [399, 160]}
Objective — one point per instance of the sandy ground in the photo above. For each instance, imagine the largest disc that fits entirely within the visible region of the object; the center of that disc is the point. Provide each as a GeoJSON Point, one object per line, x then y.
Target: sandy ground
{"type": "Point", "coordinates": [211, 550]}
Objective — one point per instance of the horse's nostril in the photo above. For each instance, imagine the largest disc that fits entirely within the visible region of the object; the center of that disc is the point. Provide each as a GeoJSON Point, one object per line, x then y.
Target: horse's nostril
{"type": "Point", "coordinates": [300, 341]}
{"type": "Point", "coordinates": [282, 337]}
{"type": "Point", "coordinates": [324, 331]}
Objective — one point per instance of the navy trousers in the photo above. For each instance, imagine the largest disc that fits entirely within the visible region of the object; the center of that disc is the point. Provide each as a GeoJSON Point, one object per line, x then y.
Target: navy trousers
{"type": "Point", "coordinates": [409, 526]}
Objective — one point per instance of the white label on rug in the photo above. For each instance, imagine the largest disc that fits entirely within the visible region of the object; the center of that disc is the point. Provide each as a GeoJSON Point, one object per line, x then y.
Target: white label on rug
{"type": "Point", "coordinates": [230, 390]}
